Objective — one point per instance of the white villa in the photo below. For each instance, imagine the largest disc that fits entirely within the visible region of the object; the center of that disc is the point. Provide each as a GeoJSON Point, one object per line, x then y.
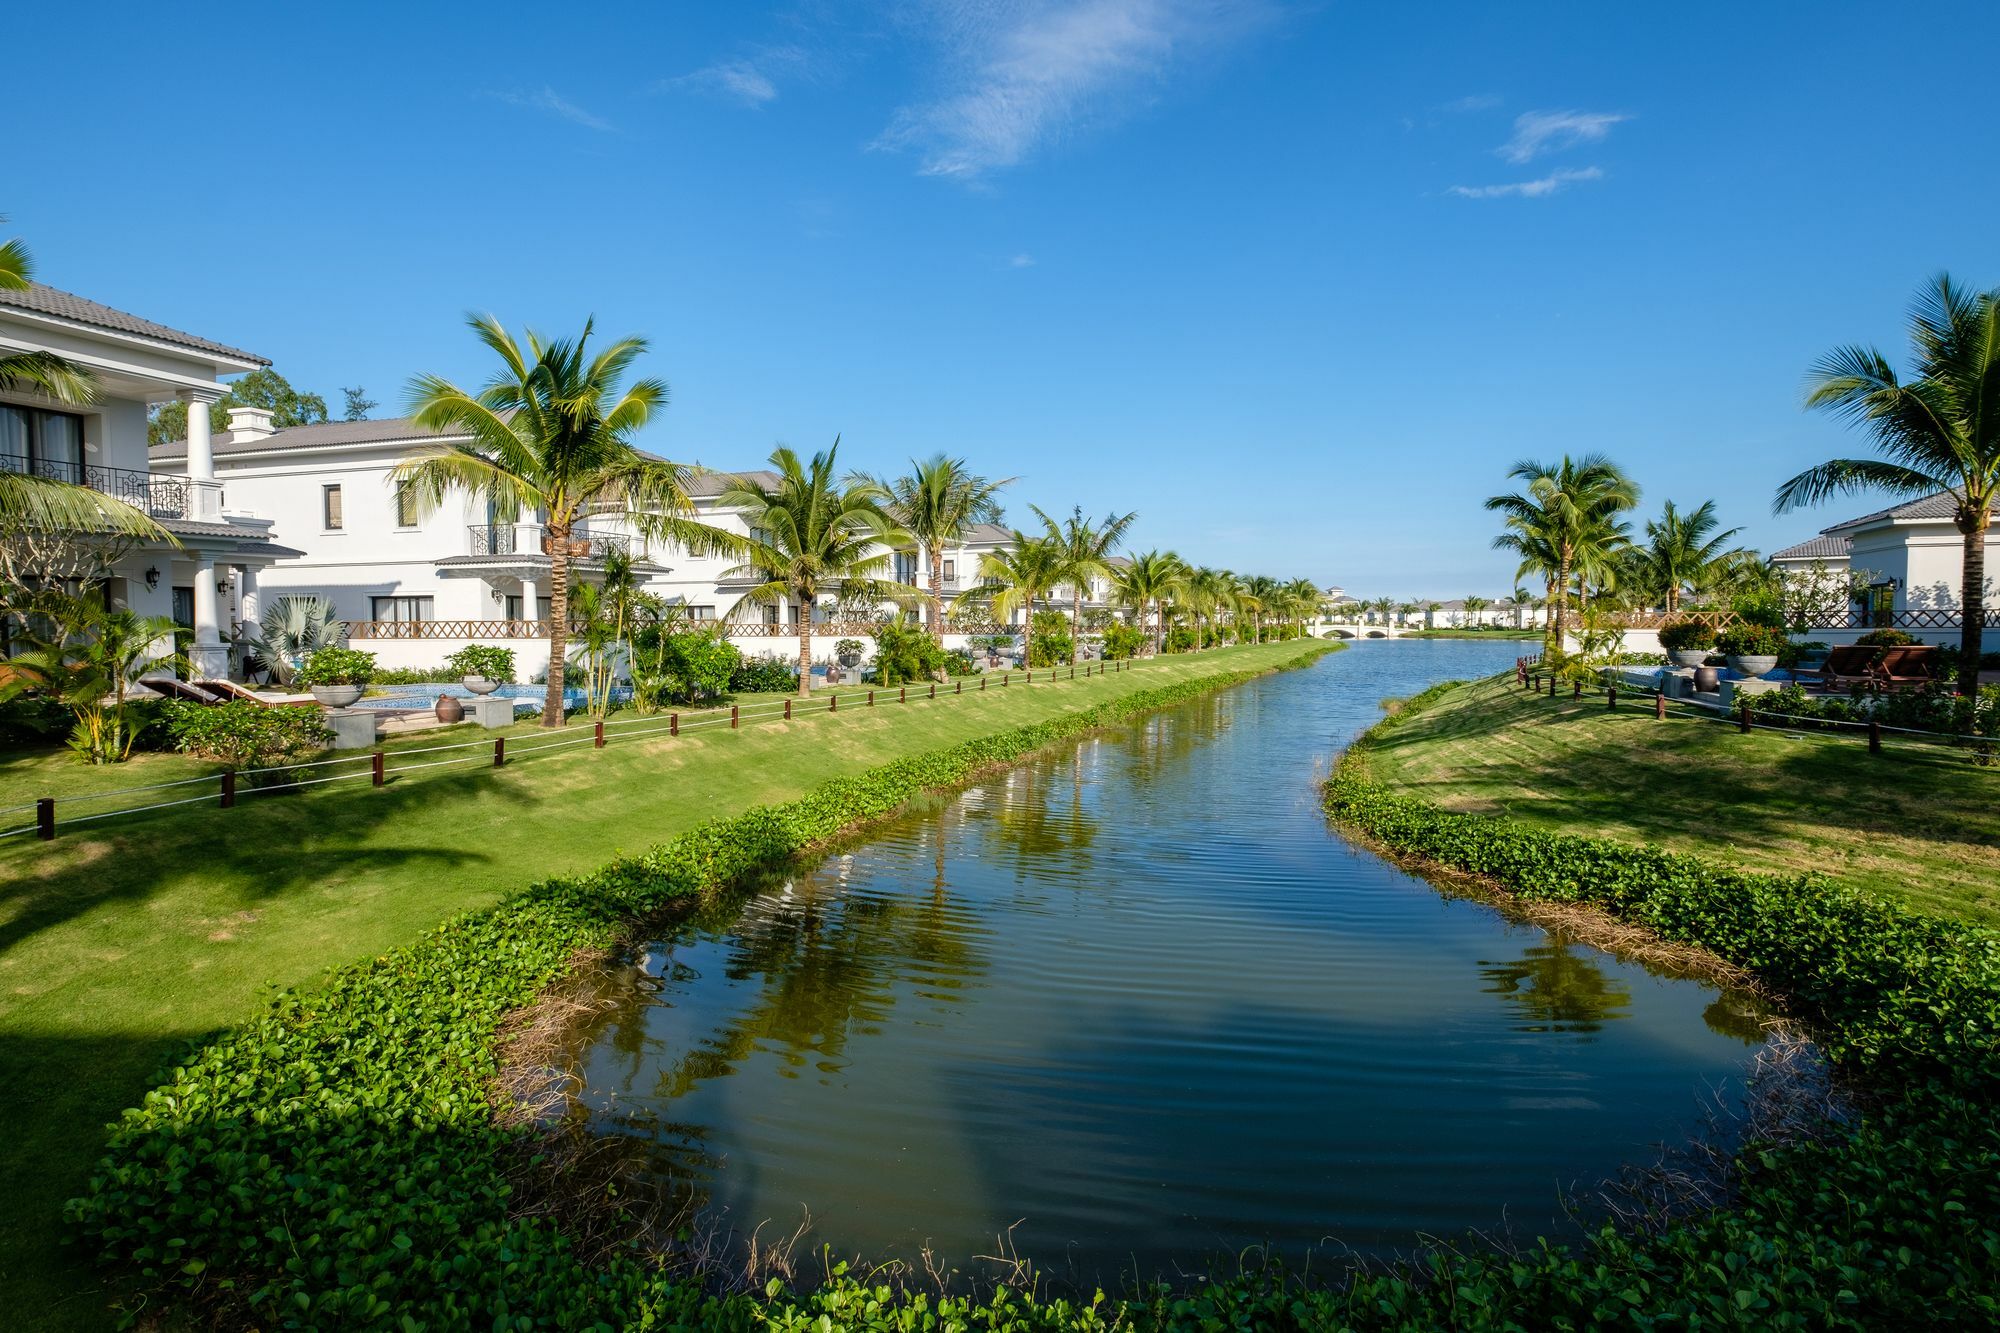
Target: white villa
{"type": "Point", "coordinates": [224, 547]}
{"type": "Point", "coordinates": [1912, 555]}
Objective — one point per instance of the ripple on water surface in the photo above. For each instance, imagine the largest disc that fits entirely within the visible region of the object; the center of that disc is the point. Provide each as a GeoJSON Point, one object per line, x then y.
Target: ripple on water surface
{"type": "Point", "coordinates": [1136, 997]}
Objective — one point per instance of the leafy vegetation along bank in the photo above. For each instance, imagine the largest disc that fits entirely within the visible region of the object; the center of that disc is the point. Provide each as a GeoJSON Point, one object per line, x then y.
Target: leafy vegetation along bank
{"type": "Point", "coordinates": [1896, 1223]}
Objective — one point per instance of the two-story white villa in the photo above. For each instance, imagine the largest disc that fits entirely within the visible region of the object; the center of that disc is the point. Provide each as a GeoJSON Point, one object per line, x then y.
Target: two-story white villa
{"type": "Point", "coordinates": [1912, 556]}
{"type": "Point", "coordinates": [221, 547]}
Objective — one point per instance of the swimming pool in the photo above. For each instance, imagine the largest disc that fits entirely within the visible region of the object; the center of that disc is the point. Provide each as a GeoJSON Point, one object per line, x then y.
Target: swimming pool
{"type": "Point", "coordinates": [525, 697]}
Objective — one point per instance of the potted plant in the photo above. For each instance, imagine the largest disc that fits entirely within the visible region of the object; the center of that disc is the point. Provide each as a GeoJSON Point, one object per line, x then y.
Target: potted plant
{"type": "Point", "coordinates": [483, 668]}
{"type": "Point", "coordinates": [1687, 642]}
{"type": "Point", "coordinates": [1752, 650]}
{"type": "Point", "coordinates": [337, 676]}
{"type": "Point", "coordinates": [849, 652]}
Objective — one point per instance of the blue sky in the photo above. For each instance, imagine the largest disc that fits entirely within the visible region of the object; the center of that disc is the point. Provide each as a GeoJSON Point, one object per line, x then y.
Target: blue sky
{"type": "Point", "coordinates": [1297, 282]}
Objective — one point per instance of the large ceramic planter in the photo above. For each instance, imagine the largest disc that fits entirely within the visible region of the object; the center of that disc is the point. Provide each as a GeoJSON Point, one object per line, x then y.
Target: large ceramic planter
{"type": "Point", "coordinates": [1690, 657]}
{"type": "Point", "coordinates": [337, 696]}
{"type": "Point", "coordinates": [449, 709]}
{"type": "Point", "coordinates": [1757, 666]}
{"type": "Point", "coordinates": [1707, 680]}
{"type": "Point", "coordinates": [480, 685]}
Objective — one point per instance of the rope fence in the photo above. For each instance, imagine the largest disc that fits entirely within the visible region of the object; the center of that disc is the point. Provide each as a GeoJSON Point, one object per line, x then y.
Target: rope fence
{"type": "Point", "coordinates": [379, 765]}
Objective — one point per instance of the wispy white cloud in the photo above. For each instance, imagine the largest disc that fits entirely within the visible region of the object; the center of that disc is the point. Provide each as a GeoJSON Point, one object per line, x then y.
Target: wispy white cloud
{"type": "Point", "coordinates": [1475, 102]}
{"type": "Point", "coordinates": [751, 80]}
{"type": "Point", "coordinates": [1534, 189]}
{"type": "Point", "coordinates": [1538, 132]}
{"type": "Point", "coordinates": [1022, 260]}
{"type": "Point", "coordinates": [1016, 77]}
{"type": "Point", "coordinates": [549, 100]}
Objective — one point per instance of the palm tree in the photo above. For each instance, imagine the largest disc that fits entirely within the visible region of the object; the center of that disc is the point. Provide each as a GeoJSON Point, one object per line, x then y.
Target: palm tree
{"type": "Point", "coordinates": [1473, 606]}
{"type": "Point", "coordinates": [1680, 551]}
{"type": "Point", "coordinates": [1938, 431]}
{"type": "Point", "coordinates": [939, 499]}
{"type": "Point", "coordinates": [1261, 592]}
{"type": "Point", "coordinates": [1301, 599]}
{"type": "Point", "coordinates": [1085, 548]}
{"type": "Point", "coordinates": [1565, 523]}
{"type": "Point", "coordinates": [1207, 592]}
{"type": "Point", "coordinates": [90, 673]}
{"type": "Point", "coordinates": [812, 534]}
{"type": "Point", "coordinates": [1149, 582]}
{"type": "Point", "coordinates": [37, 372]}
{"type": "Point", "coordinates": [551, 433]}
{"type": "Point", "coordinates": [1016, 577]}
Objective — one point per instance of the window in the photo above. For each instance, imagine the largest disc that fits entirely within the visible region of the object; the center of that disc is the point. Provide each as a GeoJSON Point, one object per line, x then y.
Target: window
{"type": "Point", "coordinates": [330, 509]}
{"type": "Point", "coordinates": [406, 505]}
{"type": "Point", "coordinates": [514, 607]}
{"type": "Point", "coordinates": [701, 613]}
{"type": "Point", "coordinates": [951, 571]}
{"type": "Point", "coordinates": [906, 567]}
{"type": "Point", "coordinates": [48, 444]}
{"type": "Point", "coordinates": [403, 610]}
{"type": "Point", "coordinates": [1881, 608]}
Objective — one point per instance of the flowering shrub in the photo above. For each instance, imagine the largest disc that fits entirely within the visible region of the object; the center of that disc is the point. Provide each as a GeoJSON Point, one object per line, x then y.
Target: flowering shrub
{"type": "Point", "coordinates": [1684, 636]}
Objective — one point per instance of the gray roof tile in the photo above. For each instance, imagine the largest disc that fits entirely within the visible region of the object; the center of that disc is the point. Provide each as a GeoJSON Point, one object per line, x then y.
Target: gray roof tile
{"type": "Point", "coordinates": [1822, 547]}
{"type": "Point", "coordinates": [44, 300]}
{"type": "Point", "coordinates": [1938, 505]}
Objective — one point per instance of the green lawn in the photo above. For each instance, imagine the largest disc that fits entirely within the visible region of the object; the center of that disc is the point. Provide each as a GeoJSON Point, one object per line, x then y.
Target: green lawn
{"type": "Point", "coordinates": [1917, 822]}
{"type": "Point", "coordinates": [123, 941]}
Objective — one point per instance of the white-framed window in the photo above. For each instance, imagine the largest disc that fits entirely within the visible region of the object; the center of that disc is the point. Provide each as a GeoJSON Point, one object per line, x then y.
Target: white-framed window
{"type": "Point", "coordinates": [402, 609]}
{"type": "Point", "coordinates": [332, 512]}
{"type": "Point", "coordinates": [950, 570]}
{"type": "Point", "coordinates": [701, 613]}
{"type": "Point", "coordinates": [406, 505]}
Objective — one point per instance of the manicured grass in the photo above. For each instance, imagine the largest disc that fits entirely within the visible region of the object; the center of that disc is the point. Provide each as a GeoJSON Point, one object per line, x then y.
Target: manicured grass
{"type": "Point", "coordinates": [121, 942]}
{"type": "Point", "coordinates": [1470, 634]}
{"type": "Point", "coordinates": [1917, 822]}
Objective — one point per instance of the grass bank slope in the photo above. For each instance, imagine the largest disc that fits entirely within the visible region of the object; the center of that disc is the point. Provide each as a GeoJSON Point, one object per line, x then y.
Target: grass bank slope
{"type": "Point", "coordinates": [1910, 824]}
{"type": "Point", "coordinates": [121, 942]}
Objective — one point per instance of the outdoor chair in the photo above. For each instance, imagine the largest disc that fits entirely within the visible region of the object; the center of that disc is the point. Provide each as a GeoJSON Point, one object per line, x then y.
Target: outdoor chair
{"type": "Point", "coordinates": [1849, 664]}
{"type": "Point", "coordinates": [1902, 668]}
{"type": "Point", "coordinates": [167, 687]}
{"type": "Point", "coordinates": [231, 690]}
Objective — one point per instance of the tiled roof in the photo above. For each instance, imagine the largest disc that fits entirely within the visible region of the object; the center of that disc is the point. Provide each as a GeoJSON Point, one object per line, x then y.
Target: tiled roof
{"type": "Point", "coordinates": [1938, 505]}
{"type": "Point", "coordinates": [43, 300]}
{"type": "Point", "coordinates": [715, 483]}
{"type": "Point", "coordinates": [323, 435]}
{"type": "Point", "coordinates": [1823, 547]}
{"type": "Point", "coordinates": [987, 534]}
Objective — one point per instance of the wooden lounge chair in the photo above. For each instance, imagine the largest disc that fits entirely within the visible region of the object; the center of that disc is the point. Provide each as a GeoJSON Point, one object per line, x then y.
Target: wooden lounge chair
{"type": "Point", "coordinates": [1849, 664]}
{"type": "Point", "coordinates": [1903, 668]}
{"type": "Point", "coordinates": [167, 687]}
{"type": "Point", "coordinates": [230, 689]}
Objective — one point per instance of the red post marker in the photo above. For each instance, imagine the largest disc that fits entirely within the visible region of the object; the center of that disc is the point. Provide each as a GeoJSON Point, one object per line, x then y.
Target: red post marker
{"type": "Point", "coordinates": [902, 694]}
{"type": "Point", "coordinates": [228, 790]}
{"type": "Point", "coordinates": [377, 767]}
{"type": "Point", "coordinates": [599, 738]}
{"type": "Point", "coordinates": [833, 703]}
{"type": "Point", "coordinates": [45, 818]}
{"type": "Point", "coordinates": [499, 751]}
{"type": "Point", "coordinates": [1660, 705]}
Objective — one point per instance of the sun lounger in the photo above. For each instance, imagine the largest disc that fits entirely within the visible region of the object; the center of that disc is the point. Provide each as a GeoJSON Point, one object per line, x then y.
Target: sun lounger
{"type": "Point", "coordinates": [1910, 666]}
{"type": "Point", "coordinates": [167, 687]}
{"type": "Point", "coordinates": [1849, 664]}
{"type": "Point", "coordinates": [232, 690]}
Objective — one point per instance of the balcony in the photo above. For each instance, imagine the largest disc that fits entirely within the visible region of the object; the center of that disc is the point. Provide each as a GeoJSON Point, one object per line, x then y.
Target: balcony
{"type": "Point", "coordinates": [530, 539]}
{"type": "Point", "coordinates": [159, 495]}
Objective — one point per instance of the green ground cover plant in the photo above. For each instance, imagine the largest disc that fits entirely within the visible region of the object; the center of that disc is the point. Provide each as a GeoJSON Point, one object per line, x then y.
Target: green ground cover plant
{"type": "Point", "coordinates": [338, 1163]}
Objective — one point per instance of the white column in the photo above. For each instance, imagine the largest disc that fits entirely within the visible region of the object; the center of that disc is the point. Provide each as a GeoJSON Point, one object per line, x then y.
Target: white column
{"type": "Point", "coordinates": [208, 657]}
{"type": "Point", "coordinates": [530, 596]}
{"type": "Point", "coordinates": [251, 606]}
{"type": "Point", "coordinates": [204, 501]}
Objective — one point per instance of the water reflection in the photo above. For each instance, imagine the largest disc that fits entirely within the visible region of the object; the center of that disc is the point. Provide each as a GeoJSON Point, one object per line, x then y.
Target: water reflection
{"type": "Point", "coordinates": [1136, 998]}
{"type": "Point", "coordinates": [1557, 987]}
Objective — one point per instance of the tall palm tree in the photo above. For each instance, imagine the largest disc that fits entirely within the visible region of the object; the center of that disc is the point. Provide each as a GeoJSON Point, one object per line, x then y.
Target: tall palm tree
{"type": "Point", "coordinates": [1566, 519]}
{"type": "Point", "coordinates": [1085, 548]}
{"type": "Point", "coordinates": [1148, 583]}
{"type": "Point", "coordinates": [551, 433]}
{"type": "Point", "coordinates": [936, 503]}
{"type": "Point", "coordinates": [37, 372]}
{"type": "Point", "coordinates": [1207, 593]}
{"type": "Point", "coordinates": [1262, 591]}
{"type": "Point", "coordinates": [1473, 606]}
{"type": "Point", "coordinates": [1301, 600]}
{"type": "Point", "coordinates": [1937, 431]}
{"type": "Point", "coordinates": [811, 534]}
{"type": "Point", "coordinates": [1680, 551]}
{"type": "Point", "coordinates": [1016, 577]}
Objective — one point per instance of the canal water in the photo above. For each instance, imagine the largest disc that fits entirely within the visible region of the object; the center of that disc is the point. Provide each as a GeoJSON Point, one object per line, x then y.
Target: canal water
{"type": "Point", "coordinates": [1134, 1006]}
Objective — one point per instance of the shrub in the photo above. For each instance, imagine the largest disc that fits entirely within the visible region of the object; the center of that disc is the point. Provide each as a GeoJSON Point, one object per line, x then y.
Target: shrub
{"type": "Point", "coordinates": [438, 675]}
{"type": "Point", "coordinates": [1887, 638]}
{"type": "Point", "coordinates": [483, 659]}
{"type": "Point", "coordinates": [1180, 639]}
{"type": "Point", "coordinates": [1122, 641]}
{"type": "Point", "coordinates": [905, 651]}
{"type": "Point", "coordinates": [337, 666]}
{"type": "Point", "coordinates": [763, 675]}
{"type": "Point", "coordinates": [958, 662]}
{"type": "Point", "coordinates": [243, 735]}
{"type": "Point", "coordinates": [1685, 636]}
{"type": "Point", "coordinates": [1749, 640]}
{"type": "Point", "coordinates": [33, 719]}
{"type": "Point", "coordinates": [687, 667]}
{"type": "Point", "coordinates": [1793, 653]}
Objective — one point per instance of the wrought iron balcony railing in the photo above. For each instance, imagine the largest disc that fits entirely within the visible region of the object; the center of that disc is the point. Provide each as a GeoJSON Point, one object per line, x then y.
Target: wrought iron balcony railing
{"type": "Point", "coordinates": [156, 494]}
{"type": "Point", "coordinates": [531, 539]}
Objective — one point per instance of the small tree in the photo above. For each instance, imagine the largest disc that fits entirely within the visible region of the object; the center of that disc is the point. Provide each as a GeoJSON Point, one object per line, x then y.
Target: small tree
{"type": "Point", "coordinates": [91, 673]}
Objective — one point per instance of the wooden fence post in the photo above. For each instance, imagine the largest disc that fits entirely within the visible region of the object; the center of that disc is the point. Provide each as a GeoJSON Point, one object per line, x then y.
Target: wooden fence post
{"type": "Point", "coordinates": [902, 694]}
{"type": "Point", "coordinates": [958, 685]}
{"type": "Point", "coordinates": [833, 703]}
{"type": "Point", "coordinates": [376, 768]}
{"type": "Point", "coordinates": [871, 698]}
{"type": "Point", "coordinates": [1611, 698]}
{"type": "Point", "coordinates": [228, 788]}
{"type": "Point", "coordinates": [933, 689]}
{"type": "Point", "coordinates": [732, 717]}
{"type": "Point", "coordinates": [673, 724]}
{"type": "Point", "coordinates": [982, 680]}
{"type": "Point", "coordinates": [1743, 715]}
{"type": "Point", "coordinates": [788, 710]}
{"type": "Point", "coordinates": [499, 751]}
{"type": "Point", "coordinates": [599, 737]}
{"type": "Point", "coordinates": [1874, 735]}
{"type": "Point", "coordinates": [45, 818]}
{"type": "Point", "coordinates": [1660, 705]}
